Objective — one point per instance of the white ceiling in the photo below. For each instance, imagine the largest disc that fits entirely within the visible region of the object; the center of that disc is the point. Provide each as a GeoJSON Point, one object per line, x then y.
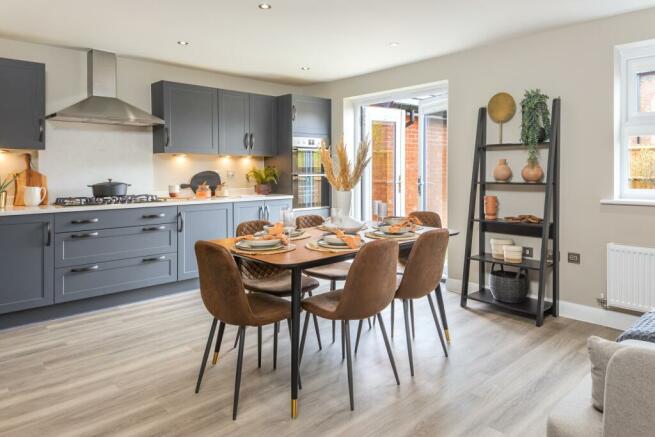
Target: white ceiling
{"type": "Point", "coordinates": [336, 38]}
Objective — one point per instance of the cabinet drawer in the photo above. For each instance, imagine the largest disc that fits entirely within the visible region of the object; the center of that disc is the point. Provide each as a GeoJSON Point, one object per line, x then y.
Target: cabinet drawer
{"type": "Point", "coordinates": [90, 280]}
{"type": "Point", "coordinates": [91, 246]}
{"type": "Point", "coordinates": [115, 218]}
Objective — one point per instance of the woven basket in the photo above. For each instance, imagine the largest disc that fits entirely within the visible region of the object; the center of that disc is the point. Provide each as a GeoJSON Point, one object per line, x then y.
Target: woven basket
{"type": "Point", "coordinates": [508, 287]}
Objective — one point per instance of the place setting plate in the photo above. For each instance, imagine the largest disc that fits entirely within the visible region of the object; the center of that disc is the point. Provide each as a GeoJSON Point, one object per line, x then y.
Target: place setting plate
{"type": "Point", "coordinates": [262, 247]}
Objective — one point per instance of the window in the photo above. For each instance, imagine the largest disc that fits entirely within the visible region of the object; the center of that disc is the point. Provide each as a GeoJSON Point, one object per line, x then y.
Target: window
{"type": "Point", "coordinates": [635, 126]}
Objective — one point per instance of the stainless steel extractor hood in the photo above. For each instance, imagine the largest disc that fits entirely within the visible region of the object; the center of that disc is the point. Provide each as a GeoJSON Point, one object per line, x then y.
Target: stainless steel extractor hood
{"type": "Point", "coordinates": [102, 106]}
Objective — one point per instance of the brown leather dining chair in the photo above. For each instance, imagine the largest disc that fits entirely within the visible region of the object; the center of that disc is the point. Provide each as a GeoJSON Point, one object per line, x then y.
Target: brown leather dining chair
{"type": "Point", "coordinates": [369, 288]}
{"type": "Point", "coordinates": [432, 220]}
{"type": "Point", "coordinates": [224, 296]}
{"type": "Point", "coordinates": [258, 277]}
{"type": "Point", "coordinates": [332, 272]}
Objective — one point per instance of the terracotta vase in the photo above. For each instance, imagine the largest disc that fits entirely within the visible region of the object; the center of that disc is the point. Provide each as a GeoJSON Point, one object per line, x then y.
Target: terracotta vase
{"type": "Point", "coordinates": [263, 189]}
{"type": "Point", "coordinates": [502, 172]}
{"type": "Point", "coordinates": [490, 207]}
{"type": "Point", "coordinates": [532, 173]}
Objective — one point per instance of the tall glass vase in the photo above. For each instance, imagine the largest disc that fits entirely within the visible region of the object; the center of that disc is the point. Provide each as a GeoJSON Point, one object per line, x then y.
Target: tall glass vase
{"type": "Point", "coordinates": [342, 200]}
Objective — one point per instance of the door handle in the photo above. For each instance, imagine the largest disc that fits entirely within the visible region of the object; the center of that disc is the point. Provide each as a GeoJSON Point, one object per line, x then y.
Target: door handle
{"type": "Point", "coordinates": [167, 137]}
{"type": "Point", "coordinates": [399, 184]}
{"type": "Point", "coordinates": [252, 141]}
{"type": "Point", "coordinates": [268, 212]}
{"type": "Point", "coordinates": [153, 216]}
{"type": "Point", "coordinates": [261, 213]}
{"type": "Point", "coordinates": [420, 186]}
{"type": "Point", "coordinates": [180, 222]}
{"type": "Point", "coordinates": [85, 221]}
{"type": "Point", "coordinates": [41, 130]}
{"type": "Point", "coordinates": [245, 141]}
{"type": "Point", "coordinates": [48, 230]}
{"type": "Point", "coordinates": [85, 269]}
{"type": "Point", "coordinates": [154, 259]}
{"type": "Point", "coordinates": [154, 228]}
{"type": "Point", "coordinates": [293, 113]}
{"type": "Point", "coordinates": [87, 235]}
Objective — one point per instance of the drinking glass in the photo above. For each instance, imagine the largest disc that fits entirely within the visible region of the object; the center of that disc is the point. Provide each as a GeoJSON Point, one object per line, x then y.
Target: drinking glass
{"type": "Point", "coordinates": [382, 211]}
{"type": "Point", "coordinates": [288, 220]}
{"type": "Point", "coordinates": [335, 216]}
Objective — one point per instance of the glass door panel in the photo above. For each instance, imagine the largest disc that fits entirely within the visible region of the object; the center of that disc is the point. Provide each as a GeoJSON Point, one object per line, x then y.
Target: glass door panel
{"type": "Point", "coordinates": [433, 183]}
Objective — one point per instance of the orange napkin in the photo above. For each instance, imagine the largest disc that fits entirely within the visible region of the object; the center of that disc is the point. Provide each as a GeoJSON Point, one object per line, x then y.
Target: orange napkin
{"type": "Point", "coordinates": [277, 228]}
{"type": "Point", "coordinates": [352, 241]}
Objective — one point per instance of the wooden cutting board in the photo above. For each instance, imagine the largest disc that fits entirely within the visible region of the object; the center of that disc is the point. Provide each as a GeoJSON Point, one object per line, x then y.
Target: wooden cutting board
{"type": "Point", "coordinates": [29, 178]}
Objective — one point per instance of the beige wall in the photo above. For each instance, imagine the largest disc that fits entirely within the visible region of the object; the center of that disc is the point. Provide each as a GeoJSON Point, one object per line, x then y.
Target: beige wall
{"type": "Point", "coordinates": [78, 154]}
{"type": "Point", "coordinates": [575, 63]}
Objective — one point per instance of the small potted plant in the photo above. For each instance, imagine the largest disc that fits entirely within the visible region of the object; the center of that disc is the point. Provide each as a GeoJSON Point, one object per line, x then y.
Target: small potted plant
{"type": "Point", "coordinates": [535, 129]}
{"type": "Point", "coordinates": [4, 184]}
{"type": "Point", "coordinates": [263, 178]}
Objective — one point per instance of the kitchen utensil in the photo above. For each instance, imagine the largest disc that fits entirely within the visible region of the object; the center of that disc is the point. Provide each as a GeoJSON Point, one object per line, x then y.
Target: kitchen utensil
{"type": "Point", "coordinates": [203, 191]}
{"type": "Point", "coordinates": [497, 245]}
{"type": "Point", "coordinates": [33, 196]}
{"type": "Point", "coordinates": [173, 190]}
{"type": "Point", "coordinates": [109, 188]}
{"type": "Point", "coordinates": [501, 109]}
{"type": "Point", "coordinates": [212, 179]}
{"type": "Point", "coordinates": [31, 178]}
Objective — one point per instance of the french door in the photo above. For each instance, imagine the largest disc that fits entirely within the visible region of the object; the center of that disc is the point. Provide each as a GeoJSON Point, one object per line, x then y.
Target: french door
{"type": "Point", "coordinates": [384, 180]}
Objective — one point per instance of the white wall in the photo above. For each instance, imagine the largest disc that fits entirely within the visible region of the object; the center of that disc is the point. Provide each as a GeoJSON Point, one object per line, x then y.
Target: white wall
{"type": "Point", "coordinates": [79, 154]}
{"type": "Point", "coordinates": [575, 63]}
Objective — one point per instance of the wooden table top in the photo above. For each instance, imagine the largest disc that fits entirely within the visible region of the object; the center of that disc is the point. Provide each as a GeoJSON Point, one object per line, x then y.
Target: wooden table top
{"type": "Point", "coordinates": [304, 257]}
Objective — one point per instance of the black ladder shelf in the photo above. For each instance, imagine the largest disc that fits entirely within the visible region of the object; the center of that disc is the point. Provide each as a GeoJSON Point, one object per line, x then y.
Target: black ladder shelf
{"type": "Point", "coordinates": [548, 230]}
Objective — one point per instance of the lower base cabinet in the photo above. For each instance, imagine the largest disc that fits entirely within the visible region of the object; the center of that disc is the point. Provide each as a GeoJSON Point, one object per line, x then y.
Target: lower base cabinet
{"type": "Point", "coordinates": [199, 222]}
{"type": "Point", "coordinates": [91, 280]}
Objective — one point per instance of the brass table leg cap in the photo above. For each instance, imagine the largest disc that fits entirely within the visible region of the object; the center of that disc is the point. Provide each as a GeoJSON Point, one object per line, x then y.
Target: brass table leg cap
{"type": "Point", "coordinates": [215, 359]}
{"type": "Point", "coordinates": [294, 408]}
{"type": "Point", "coordinates": [447, 335]}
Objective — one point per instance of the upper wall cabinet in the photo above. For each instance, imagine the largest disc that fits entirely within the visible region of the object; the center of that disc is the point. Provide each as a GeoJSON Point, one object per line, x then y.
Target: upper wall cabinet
{"type": "Point", "coordinates": [190, 113]}
{"type": "Point", "coordinates": [247, 124]}
{"type": "Point", "coordinates": [22, 105]}
{"type": "Point", "coordinates": [310, 115]}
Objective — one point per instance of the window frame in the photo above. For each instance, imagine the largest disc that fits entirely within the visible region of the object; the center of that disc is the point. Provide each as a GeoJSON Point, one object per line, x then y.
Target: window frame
{"type": "Point", "coordinates": [630, 61]}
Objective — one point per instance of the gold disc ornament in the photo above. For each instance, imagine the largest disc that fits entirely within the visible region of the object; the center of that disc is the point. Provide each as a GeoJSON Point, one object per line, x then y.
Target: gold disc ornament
{"type": "Point", "coordinates": [501, 109]}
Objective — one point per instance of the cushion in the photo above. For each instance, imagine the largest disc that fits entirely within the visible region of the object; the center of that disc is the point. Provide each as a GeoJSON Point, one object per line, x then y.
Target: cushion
{"type": "Point", "coordinates": [337, 271]}
{"type": "Point", "coordinates": [600, 352]}
{"type": "Point", "coordinates": [643, 329]}
{"type": "Point", "coordinates": [279, 285]}
{"type": "Point", "coordinates": [323, 305]}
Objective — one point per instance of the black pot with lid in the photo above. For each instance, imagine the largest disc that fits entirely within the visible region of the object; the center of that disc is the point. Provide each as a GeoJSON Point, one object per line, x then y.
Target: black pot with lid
{"type": "Point", "coordinates": [109, 188]}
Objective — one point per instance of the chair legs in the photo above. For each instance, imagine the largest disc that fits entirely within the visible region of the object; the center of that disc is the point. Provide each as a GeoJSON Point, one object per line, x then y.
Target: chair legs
{"type": "Point", "coordinates": [259, 347]}
{"type": "Point", "coordinates": [237, 379]}
{"type": "Point", "coordinates": [359, 333]}
{"type": "Point", "coordinates": [203, 364]}
{"type": "Point", "coordinates": [408, 335]}
{"type": "Point", "coordinates": [333, 286]}
{"type": "Point", "coordinates": [436, 324]}
{"type": "Point", "coordinates": [393, 302]}
{"type": "Point", "coordinates": [388, 346]}
{"type": "Point", "coordinates": [349, 363]}
{"type": "Point", "coordinates": [276, 331]}
{"type": "Point", "coordinates": [442, 311]}
{"type": "Point", "coordinates": [411, 312]}
{"type": "Point", "coordinates": [219, 340]}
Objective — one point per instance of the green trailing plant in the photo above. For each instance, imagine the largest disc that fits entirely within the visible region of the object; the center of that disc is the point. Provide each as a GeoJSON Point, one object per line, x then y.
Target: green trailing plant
{"type": "Point", "coordinates": [261, 176]}
{"type": "Point", "coordinates": [4, 183]}
{"type": "Point", "coordinates": [535, 122]}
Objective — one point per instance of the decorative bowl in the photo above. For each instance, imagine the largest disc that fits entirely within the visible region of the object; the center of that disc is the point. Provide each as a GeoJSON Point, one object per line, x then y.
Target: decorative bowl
{"type": "Point", "coordinates": [398, 231]}
{"type": "Point", "coordinates": [393, 220]}
{"type": "Point", "coordinates": [262, 243]}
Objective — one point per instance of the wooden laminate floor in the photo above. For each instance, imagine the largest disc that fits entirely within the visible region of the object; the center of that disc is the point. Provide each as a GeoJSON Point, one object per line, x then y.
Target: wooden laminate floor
{"type": "Point", "coordinates": [131, 371]}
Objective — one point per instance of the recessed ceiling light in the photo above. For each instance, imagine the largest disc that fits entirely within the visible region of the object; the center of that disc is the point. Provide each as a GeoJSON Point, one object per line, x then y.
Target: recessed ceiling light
{"type": "Point", "coordinates": [305, 68]}
{"type": "Point", "coordinates": [394, 44]}
{"type": "Point", "coordinates": [183, 43]}
{"type": "Point", "coordinates": [264, 6]}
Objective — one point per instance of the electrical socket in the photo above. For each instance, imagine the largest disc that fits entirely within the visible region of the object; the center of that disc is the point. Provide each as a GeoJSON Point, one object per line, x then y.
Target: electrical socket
{"type": "Point", "coordinates": [573, 257]}
{"type": "Point", "coordinates": [527, 252]}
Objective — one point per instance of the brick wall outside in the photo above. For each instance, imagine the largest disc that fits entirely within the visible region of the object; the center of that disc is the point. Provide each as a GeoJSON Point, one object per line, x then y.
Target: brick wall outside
{"type": "Point", "coordinates": [382, 164]}
{"type": "Point", "coordinates": [436, 178]}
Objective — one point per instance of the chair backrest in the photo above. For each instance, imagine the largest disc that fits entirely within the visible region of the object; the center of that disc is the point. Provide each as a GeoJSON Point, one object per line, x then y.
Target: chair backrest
{"type": "Point", "coordinates": [253, 270]}
{"type": "Point", "coordinates": [424, 267]}
{"type": "Point", "coordinates": [221, 287]}
{"type": "Point", "coordinates": [428, 218]}
{"type": "Point", "coordinates": [309, 221]}
{"type": "Point", "coordinates": [371, 281]}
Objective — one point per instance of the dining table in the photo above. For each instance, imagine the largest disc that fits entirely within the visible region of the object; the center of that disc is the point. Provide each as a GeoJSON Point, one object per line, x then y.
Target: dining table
{"type": "Point", "coordinates": [302, 258]}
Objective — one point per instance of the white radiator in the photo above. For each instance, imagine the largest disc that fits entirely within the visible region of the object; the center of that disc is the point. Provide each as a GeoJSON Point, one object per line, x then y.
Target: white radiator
{"type": "Point", "coordinates": [630, 277]}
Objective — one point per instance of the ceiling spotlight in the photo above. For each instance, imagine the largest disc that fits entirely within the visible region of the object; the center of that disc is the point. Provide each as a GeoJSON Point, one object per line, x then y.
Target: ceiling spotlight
{"type": "Point", "coordinates": [305, 68]}
{"type": "Point", "coordinates": [264, 6]}
{"type": "Point", "coordinates": [394, 44]}
{"type": "Point", "coordinates": [183, 43]}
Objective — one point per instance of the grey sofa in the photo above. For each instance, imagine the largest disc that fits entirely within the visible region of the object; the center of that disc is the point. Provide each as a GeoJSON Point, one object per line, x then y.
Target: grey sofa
{"type": "Point", "coordinates": [629, 399]}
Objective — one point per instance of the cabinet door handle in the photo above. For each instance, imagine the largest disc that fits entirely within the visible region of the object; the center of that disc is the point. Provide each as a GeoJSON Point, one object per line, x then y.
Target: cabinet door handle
{"type": "Point", "coordinates": [87, 235]}
{"type": "Point", "coordinates": [153, 216]}
{"type": "Point", "coordinates": [154, 228]}
{"type": "Point", "coordinates": [245, 141]}
{"type": "Point", "coordinates": [85, 221]}
{"type": "Point", "coordinates": [41, 130]}
{"type": "Point", "coordinates": [293, 113]}
{"type": "Point", "coordinates": [167, 137]}
{"type": "Point", "coordinates": [85, 269]}
{"type": "Point", "coordinates": [154, 259]}
{"type": "Point", "coordinates": [180, 222]}
{"type": "Point", "coordinates": [252, 141]}
{"type": "Point", "coordinates": [48, 230]}
{"type": "Point", "coordinates": [268, 213]}
{"type": "Point", "coordinates": [261, 213]}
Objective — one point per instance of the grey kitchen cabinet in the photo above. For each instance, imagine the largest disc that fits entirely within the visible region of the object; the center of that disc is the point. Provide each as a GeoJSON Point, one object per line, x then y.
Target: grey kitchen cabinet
{"type": "Point", "coordinates": [273, 209]}
{"type": "Point", "coordinates": [234, 123]}
{"type": "Point", "coordinates": [26, 262]}
{"type": "Point", "coordinates": [190, 113]}
{"type": "Point", "coordinates": [247, 124]}
{"type": "Point", "coordinates": [263, 124]}
{"type": "Point", "coordinates": [22, 104]}
{"type": "Point", "coordinates": [310, 115]}
{"type": "Point", "coordinates": [116, 218]}
{"type": "Point", "coordinates": [98, 279]}
{"type": "Point", "coordinates": [199, 222]}
{"type": "Point", "coordinates": [270, 210]}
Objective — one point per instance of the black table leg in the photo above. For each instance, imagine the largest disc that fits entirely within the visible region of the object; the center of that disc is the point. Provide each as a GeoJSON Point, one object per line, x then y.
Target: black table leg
{"type": "Point", "coordinates": [295, 337]}
{"type": "Point", "coordinates": [442, 311]}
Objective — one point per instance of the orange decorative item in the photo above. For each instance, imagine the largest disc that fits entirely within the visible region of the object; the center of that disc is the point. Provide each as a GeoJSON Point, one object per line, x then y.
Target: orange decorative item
{"type": "Point", "coordinates": [490, 207]}
{"type": "Point", "coordinates": [203, 191]}
{"type": "Point", "coordinates": [502, 172]}
{"type": "Point", "coordinates": [532, 173]}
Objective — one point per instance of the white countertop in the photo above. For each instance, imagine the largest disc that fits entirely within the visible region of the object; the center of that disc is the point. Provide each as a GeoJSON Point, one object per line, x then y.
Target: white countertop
{"type": "Point", "coordinates": [49, 209]}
